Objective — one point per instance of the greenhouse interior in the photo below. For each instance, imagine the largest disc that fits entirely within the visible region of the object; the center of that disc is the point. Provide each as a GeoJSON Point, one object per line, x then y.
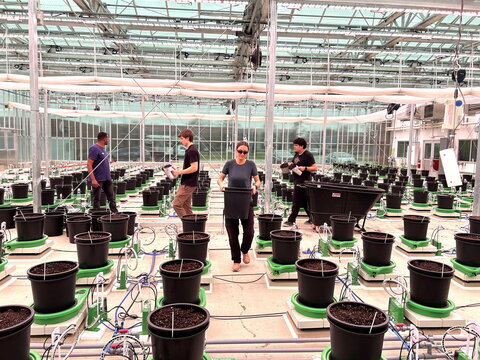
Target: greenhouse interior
{"type": "Point", "coordinates": [179, 162]}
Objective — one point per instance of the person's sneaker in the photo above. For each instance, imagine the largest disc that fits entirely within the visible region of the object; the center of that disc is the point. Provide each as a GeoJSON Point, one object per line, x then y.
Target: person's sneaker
{"type": "Point", "coordinates": [246, 259]}
{"type": "Point", "coordinates": [288, 223]}
{"type": "Point", "coordinates": [236, 267]}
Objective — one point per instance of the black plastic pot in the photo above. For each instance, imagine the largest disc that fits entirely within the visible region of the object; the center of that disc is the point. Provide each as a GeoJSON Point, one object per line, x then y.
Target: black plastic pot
{"type": "Point", "coordinates": [255, 197]}
{"type": "Point", "coordinates": [268, 223]}
{"type": "Point", "coordinates": [474, 222]}
{"type": "Point", "coordinates": [425, 172]}
{"type": "Point", "coordinates": [121, 187]}
{"type": "Point", "coordinates": [53, 224]}
{"type": "Point", "coordinates": [2, 195]}
{"type": "Point", "coordinates": [377, 248]}
{"type": "Point", "coordinates": [418, 183]}
{"type": "Point", "coordinates": [356, 342]}
{"type": "Point", "coordinates": [138, 181]}
{"type": "Point", "coordinates": [415, 227]}
{"type": "Point", "coordinates": [394, 201]}
{"type": "Point", "coordinates": [346, 178]}
{"type": "Point", "coordinates": [384, 186]}
{"type": "Point", "coordinates": [342, 227]}
{"type": "Point", "coordinates": [6, 214]}
{"type": "Point", "coordinates": [468, 249]}
{"type": "Point", "coordinates": [179, 344]}
{"type": "Point", "coordinates": [398, 189]}
{"type": "Point", "coordinates": [199, 197]}
{"type": "Point", "coordinates": [67, 179]}
{"type": "Point", "coordinates": [427, 287]}
{"type": "Point", "coordinates": [181, 286]}
{"type": "Point", "coordinates": [76, 225]}
{"type": "Point", "coordinates": [48, 197]}
{"type": "Point", "coordinates": [92, 249]}
{"type": "Point", "coordinates": [29, 226]}
{"type": "Point", "coordinates": [24, 209]}
{"type": "Point", "coordinates": [357, 181]}
{"type": "Point", "coordinates": [64, 191]}
{"type": "Point", "coordinates": [115, 224]}
{"type": "Point", "coordinates": [285, 246]}
{"type": "Point", "coordinates": [20, 191]}
{"type": "Point", "coordinates": [54, 181]}
{"type": "Point", "coordinates": [15, 340]}
{"type": "Point", "coordinates": [132, 215]}
{"type": "Point", "coordinates": [237, 202]}
{"type": "Point", "coordinates": [131, 184]}
{"type": "Point", "coordinates": [316, 287]}
{"type": "Point", "coordinates": [150, 197]}
{"type": "Point", "coordinates": [53, 292]}
{"type": "Point", "coordinates": [445, 201]}
{"type": "Point", "coordinates": [96, 214]}
{"type": "Point", "coordinates": [193, 248]}
{"type": "Point", "coordinates": [432, 186]}
{"type": "Point", "coordinates": [331, 199]}
{"type": "Point", "coordinates": [420, 196]}
{"type": "Point", "coordinates": [194, 222]}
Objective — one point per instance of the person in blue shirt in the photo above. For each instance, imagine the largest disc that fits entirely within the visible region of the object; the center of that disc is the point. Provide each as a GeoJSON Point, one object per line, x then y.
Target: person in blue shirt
{"type": "Point", "coordinates": [98, 166]}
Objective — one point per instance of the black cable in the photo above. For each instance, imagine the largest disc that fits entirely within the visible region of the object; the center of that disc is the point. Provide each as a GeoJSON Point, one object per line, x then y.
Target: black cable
{"type": "Point", "coordinates": [239, 282]}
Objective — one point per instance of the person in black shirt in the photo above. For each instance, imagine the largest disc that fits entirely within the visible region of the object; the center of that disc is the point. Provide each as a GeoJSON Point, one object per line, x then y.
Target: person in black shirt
{"type": "Point", "coordinates": [303, 164]}
{"type": "Point", "coordinates": [189, 182]}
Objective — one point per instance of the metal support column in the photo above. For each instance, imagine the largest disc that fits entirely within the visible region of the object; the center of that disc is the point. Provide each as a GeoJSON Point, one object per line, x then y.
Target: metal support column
{"type": "Point", "coordinates": [47, 135]}
{"type": "Point", "coordinates": [324, 147]}
{"type": "Point", "coordinates": [36, 148]}
{"type": "Point", "coordinates": [410, 141]}
{"type": "Point", "coordinates": [142, 131]}
{"type": "Point", "coordinates": [235, 126]}
{"type": "Point", "coordinates": [270, 105]}
{"type": "Point", "coordinates": [476, 190]}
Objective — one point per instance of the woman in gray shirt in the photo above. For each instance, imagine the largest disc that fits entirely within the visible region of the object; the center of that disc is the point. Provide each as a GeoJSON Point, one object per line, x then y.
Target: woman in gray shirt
{"type": "Point", "coordinates": [240, 172]}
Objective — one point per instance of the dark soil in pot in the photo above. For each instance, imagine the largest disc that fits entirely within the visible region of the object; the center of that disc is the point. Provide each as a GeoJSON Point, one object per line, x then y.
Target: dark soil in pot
{"type": "Point", "coordinates": [316, 282]}
{"type": "Point", "coordinates": [285, 246]}
{"type": "Point", "coordinates": [356, 331]}
{"type": "Point", "coordinates": [116, 224]}
{"type": "Point", "coordinates": [15, 326]}
{"type": "Point", "coordinates": [342, 227]}
{"type": "Point", "coordinates": [377, 248]}
{"type": "Point", "coordinates": [29, 226]}
{"type": "Point", "coordinates": [468, 249]}
{"type": "Point", "coordinates": [59, 278]}
{"type": "Point", "coordinates": [182, 338]}
{"type": "Point", "coordinates": [430, 282]}
{"type": "Point", "coordinates": [181, 280]}
{"type": "Point", "coordinates": [92, 249]}
{"type": "Point", "coordinates": [415, 227]}
{"type": "Point", "coordinates": [268, 223]}
{"type": "Point", "coordinates": [194, 222]}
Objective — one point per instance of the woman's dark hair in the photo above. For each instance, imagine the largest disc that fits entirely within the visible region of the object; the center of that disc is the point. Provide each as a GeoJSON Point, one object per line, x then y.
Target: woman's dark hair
{"type": "Point", "coordinates": [187, 134]}
{"type": "Point", "coordinates": [301, 142]}
{"type": "Point", "coordinates": [101, 135]}
{"type": "Point", "coordinates": [242, 143]}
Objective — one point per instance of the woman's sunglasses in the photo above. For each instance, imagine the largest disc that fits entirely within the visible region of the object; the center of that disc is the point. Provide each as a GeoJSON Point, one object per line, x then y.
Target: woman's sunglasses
{"type": "Point", "coordinates": [242, 152]}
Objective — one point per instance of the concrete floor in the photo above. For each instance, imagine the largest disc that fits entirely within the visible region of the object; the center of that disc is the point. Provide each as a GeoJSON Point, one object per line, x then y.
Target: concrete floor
{"type": "Point", "coordinates": [248, 292]}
